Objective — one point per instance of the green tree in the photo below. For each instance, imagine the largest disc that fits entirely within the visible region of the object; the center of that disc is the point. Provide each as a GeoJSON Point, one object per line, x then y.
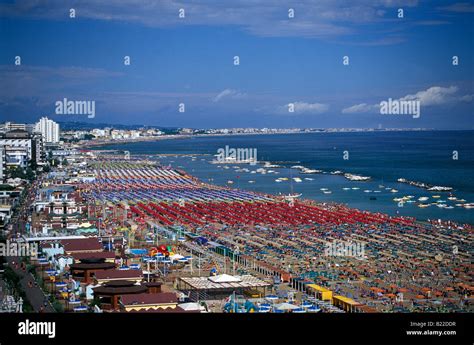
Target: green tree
{"type": "Point", "coordinates": [30, 174]}
{"type": "Point", "coordinates": [32, 164]}
{"type": "Point", "coordinates": [16, 172]}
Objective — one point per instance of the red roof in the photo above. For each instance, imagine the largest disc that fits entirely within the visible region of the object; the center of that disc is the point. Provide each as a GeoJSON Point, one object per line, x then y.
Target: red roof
{"type": "Point", "coordinates": [82, 244]}
{"type": "Point", "coordinates": [98, 255]}
{"type": "Point", "coordinates": [149, 298]}
{"type": "Point", "coordinates": [119, 274]}
{"type": "Point", "coordinates": [164, 310]}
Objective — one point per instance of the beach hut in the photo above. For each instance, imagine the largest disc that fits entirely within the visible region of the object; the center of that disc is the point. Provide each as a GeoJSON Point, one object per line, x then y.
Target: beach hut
{"type": "Point", "coordinates": [345, 303]}
{"type": "Point", "coordinates": [320, 292]}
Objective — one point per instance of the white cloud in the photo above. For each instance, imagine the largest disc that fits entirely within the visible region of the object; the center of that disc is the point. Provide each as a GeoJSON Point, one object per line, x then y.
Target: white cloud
{"type": "Point", "coordinates": [435, 95]}
{"type": "Point", "coordinates": [229, 93]}
{"type": "Point", "coordinates": [360, 108]}
{"type": "Point", "coordinates": [302, 108]}
{"type": "Point", "coordinates": [322, 18]}
{"type": "Point", "coordinates": [467, 98]}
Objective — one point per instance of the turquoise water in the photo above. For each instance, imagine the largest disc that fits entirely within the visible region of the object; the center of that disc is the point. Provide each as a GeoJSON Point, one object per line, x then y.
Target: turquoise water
{"type": "Point", "coordinates": [384, 156]}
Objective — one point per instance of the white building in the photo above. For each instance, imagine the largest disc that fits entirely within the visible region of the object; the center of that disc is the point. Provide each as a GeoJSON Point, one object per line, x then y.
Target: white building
{"type": "Point", "coordinates": [18, 148]}
{"type": "Point", "coordinates": [48, 129]}
{"type": "Point", "coordinates": [10, 126]}
{"type": "Point", "coordinates": [2, 162]}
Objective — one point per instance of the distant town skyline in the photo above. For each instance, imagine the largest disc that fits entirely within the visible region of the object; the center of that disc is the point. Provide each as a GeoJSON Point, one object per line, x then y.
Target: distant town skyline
{"type": "Point", "coordinates": [213, 64]}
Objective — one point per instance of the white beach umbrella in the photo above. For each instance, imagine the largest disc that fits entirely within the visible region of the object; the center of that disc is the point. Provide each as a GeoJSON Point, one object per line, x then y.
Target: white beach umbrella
{"type": "Point", "coordinates": [286, 306]}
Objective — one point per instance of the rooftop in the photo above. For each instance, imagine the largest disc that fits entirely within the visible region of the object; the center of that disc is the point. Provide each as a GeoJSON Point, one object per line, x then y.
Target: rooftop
{"type": "Point", "coordinates": [119, 274]}
{"type": "Point", "coordinates": [97, 255]}
{"type": "Point", "coordinates": [205, 283]}
{"type": "Point", "coordinates": [83, 244]}
{"type": "Point", "coordinates": [149, 298]}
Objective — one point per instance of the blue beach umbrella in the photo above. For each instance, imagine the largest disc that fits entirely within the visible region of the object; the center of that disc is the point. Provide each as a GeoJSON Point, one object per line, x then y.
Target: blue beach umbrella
{"type": "Point", "coordinates": [313, 309]}
{"type": "Point", "coordinates": [271, 297]}
{"type": "Point", "coordinates": [299, 310]}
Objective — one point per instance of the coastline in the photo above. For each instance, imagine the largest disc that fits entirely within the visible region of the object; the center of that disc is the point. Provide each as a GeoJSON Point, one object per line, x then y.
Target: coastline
{"type": "Point", "coordinates": [100, 142]}
{"type": "Point", "coordinates": [319, 155]}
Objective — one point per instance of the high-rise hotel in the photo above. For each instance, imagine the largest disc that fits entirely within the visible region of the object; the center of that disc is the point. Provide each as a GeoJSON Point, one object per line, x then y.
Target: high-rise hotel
{"type": "Point", "coordinates": [48, 129]}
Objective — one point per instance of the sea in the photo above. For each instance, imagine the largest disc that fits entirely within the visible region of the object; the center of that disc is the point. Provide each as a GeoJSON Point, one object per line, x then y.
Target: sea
{"type": "Point", "coordinates": [443, 158]}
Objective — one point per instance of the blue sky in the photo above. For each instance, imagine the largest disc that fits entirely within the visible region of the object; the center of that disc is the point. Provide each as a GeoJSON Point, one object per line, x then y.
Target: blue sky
{"type": "Point", "coordinates": [190, 60]}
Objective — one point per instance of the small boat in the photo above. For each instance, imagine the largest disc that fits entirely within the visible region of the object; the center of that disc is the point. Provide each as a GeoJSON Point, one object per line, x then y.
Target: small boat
{"type": "Point", "coordinates": [393, 191]}
{"type": "Point", "coordinates": [251, 181]}
{"type": "Point", "coordinates": [310, 171]}
{"type": "Point", "coordinates": [230, 182]}
{"type": "Point", "coordinates": [327, 192]}
{"type": "Point", "coordinates": [309, 179]}
{"type": "Point", "coordinates": [423, 198]}
{"type": "Point", "coordinates": [292, 196]}
{"type": "Point", "coordinates": [436, 196]}
{"type": "Point", "coordinates": [270, 165]}
{"type": "Point", "coordinates": [424, 205]}
{"type": "Point", "coordinates": [346, 188]}
{"type": "Point", "coordinates": [354, 177]}
{"type": "Point", "coordinates": [297, 179]}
